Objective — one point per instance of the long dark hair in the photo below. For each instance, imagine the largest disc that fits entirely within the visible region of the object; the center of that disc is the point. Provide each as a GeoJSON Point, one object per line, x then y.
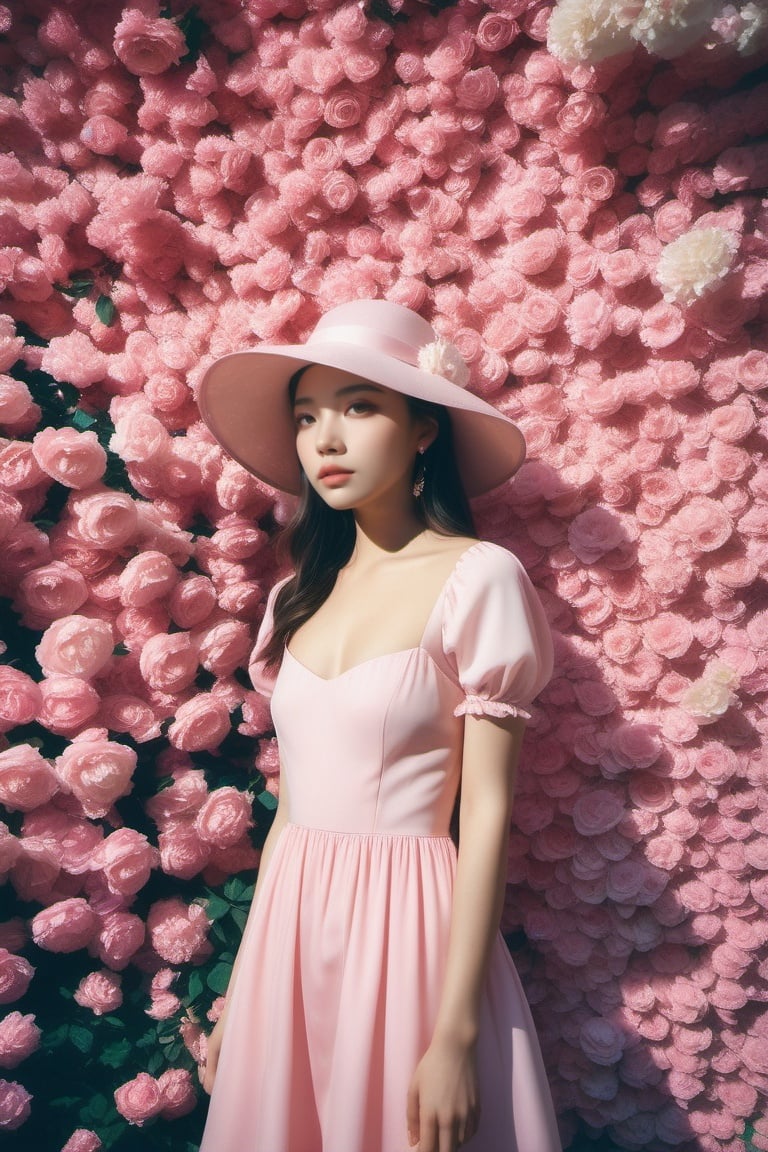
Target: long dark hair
{"type": "Point", "coordinates": [320, 540]}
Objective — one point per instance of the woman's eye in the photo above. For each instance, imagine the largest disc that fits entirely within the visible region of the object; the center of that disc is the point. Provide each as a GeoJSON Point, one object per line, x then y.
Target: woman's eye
{"type": "Point", "coordinates": [360, 407]}
{"type": "Point", "coordinates": [303, 419]}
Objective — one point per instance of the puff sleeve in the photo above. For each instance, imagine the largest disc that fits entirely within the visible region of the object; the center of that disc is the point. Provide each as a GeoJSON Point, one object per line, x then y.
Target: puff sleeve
{"type": "Point", "coordinates": [496, 635]}
{"type": "Point", "coordinates": [262, 678]}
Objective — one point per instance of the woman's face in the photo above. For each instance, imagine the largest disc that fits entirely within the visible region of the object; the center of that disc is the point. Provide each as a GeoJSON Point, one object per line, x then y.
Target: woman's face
{"type": "Point", "coordinates": [356, 441]}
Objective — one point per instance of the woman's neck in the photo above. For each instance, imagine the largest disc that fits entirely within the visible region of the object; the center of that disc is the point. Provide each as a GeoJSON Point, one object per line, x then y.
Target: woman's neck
{"type": "Point", "coordinates": [383, 533]}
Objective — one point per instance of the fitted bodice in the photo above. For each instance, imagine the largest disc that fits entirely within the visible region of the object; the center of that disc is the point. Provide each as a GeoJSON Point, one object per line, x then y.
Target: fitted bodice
{"type": "Point", "coordinates": [378, 748]}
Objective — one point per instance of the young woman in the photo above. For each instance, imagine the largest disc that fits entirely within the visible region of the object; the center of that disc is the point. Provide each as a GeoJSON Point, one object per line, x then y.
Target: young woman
{"type": "Point", "coordinates": [373, 1005]}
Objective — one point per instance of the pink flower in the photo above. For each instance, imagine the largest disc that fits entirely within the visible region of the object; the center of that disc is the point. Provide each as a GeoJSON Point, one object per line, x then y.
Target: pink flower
{"type": "Point", "coordinates": [19, 698]}
{"type": "Point", "coordinates": [26, 778]}
{"type": "Point", "coordinates": [65, 926]}
{"type": "Point", "coordinates": [106, 519]}
{"type": "Point", "coordinates": [704, 523]}
{"type": "Point", "coordinates": [224, 817]}
{"type": "Point", "coordinates": [200, 725]}
{"type": "Point", "coordinates": [15, 975]}
{"type": "Point", "coordinates": [169, 662]}
{"type": "Point", "coordinates": [14, 1105]}
{"type": "Point", "coordinates": [536, 252]}
{"type": "Point", "coordinates": [191, 601]}
{"type": "Point", "coordinates": [496, 31]}
{"type": "Point", "coordinates": [140, 1099]}
{"type": "Point", "coordinates": [147, 46]}
{"type": "Point", "coordinates": [178, 1093]}
{"type": "Point", "coordinates": [126, 859]}
{"type": "Point", "coordinates": [99, 991]}
{"type": "Point", "coordinates": [589, 320]}
{"type": "Point", "coordinates": [82, 1140]}
{"type": "Point", "coordinates": [19, 1038]}
{"type": "Point", "coordinates": [594, 533]}
{"type": "Point", "coordinates": [75, 646]}
{"type": "Point", "coordinates": [140, 437]}
{"type": "Point", "coordinates": [147, 577]}
{"type": "Point", "coordinates": [67, 703]}
{"type": "Point", "coordinates": [669, 634]}
{"type": "Point", "coordinates": [597, 811]}
{"type": "Point", "coordinates": [224, 646]}
{"type": "Point", "coordinates": [477, 89]}
{"type": "Point", "coordinates": [178, 931]}
{"type": "Point", "coordinates": [601, 1041]}
{"type": "Point", "coordinates": [121, 934]}
{"type": "Point", "coordinates": [661, 326]}
{"type": "Point", "coordinates": [51, 591]}
{"type": "Point", "coordinates": [98, 772]}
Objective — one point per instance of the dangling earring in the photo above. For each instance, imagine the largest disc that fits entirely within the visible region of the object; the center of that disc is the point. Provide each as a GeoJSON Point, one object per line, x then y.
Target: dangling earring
{"type": "Point", "coordinates": [418, 486]}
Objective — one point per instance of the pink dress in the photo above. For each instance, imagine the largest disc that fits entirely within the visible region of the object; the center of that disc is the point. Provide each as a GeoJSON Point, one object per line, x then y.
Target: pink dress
{"type": "Point", "coordinates": [344, 952]}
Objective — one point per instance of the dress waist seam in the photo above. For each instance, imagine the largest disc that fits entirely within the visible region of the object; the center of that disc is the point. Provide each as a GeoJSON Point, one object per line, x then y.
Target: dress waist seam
{"type": "Point", "coordinates": [380, 834]}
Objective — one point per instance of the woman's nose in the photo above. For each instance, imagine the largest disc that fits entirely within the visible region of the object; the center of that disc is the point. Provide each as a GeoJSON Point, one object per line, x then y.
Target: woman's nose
{"type": "Point", "coordinates": [328, 438]}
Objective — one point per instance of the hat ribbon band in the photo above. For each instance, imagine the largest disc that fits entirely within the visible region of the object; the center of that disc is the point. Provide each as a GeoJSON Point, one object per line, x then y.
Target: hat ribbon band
{"type": "Point", "coordinates": [365, 338]}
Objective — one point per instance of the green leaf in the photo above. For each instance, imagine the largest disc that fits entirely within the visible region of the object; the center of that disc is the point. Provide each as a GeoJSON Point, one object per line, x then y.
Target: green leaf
{"type": "Point", "coordinates": [81, 1038]}
{"type": "Point", "coordinates": [219, 977]}
{"type": "Point", "coordinates": [76, 288]}
{"type": "Point", "coordinates": [82, 421]}
{"type": "Point", "coordinates": [120, 650]}
{"type": "Point", "coordinates": [234, 888]}
{"type": "Point", "coordinates": [267, 800]}
{"type": "Point", "coordinates": [195, 985]}
{"type": "Point", "coordinates": [105, 310]}
{"type": "Point", "coordinates": [216, 907]}
{"type": "Point", "coordinates": [218, 933]}
{"type": "Point", "coordinates": [115, 1055]}
{"type": "Point", "coordinates": [240, 917]}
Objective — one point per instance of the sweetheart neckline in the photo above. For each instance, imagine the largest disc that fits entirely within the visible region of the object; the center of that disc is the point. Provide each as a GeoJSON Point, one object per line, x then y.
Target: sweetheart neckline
{"type": "Point", "coordinates": [398, 651]}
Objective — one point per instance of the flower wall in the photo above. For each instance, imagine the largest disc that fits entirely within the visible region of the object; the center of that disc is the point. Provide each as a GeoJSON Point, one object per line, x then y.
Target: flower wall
{"type": "Point", "coordinates": [572, 194]}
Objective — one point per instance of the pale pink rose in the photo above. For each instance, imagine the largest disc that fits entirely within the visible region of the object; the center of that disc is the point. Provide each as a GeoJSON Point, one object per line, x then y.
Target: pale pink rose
{"type": "Point", "coordinates": [97, 772]}
{"type": "Point", "coordinates": [753, 370]}
{"type": "Point", "coordinates": [15, 400]}
{"type": "Point", "coordinates": [733, 422]}
{"type": "Point", "coordinates": [179, 931]}
{"type": "Point", "coordinates": [26, 778]}
{"type": "Point", "coordinates": [14, 1105]}
{"type": "Point", "coordinates": [661, 326]}
{"type": "Point", "coordinates": [54, 590]}
{"type": "Point", "coordinates": [596, 183]}
{"type": "Point", "coordinates": [169, 662]}
{"type": "Point", "coordinates": [703, 522]}
{"type": "Point", "coordinates": [67, 703]}
{"type": "Point", "coordinates": [147, 577]}
{"type": "Point", "coordinates": [126, 859]}
{"type": "Point", "coordinates": [74, 458]}
{"type": "Point", "coordinates": [120, 936]}
{"type": "Point", "coordinates": [20, 698]}
{"type": "Point", "coordinates": [589, 320]}
{"type": "Point", "coordinates": [200, 724]}
{"type": "Point", "coordinates": [477, 89]}
{"type": "Point", "coordinates": [495, 31]}
{"type": "Point", "coordinates": [715, 762]}
{"type": "Point", "coordinates": [15, 975]}
{"type": "Point", "coordinates": [539, 313]}
{"type": "Point", "coordinates": [19, 470]}
{"type": "Point", "coordinates": [621, 268]}
{"type": "Point", "coordinates": [182, 852]}
{"type": "Point", "coordinates": [668, 634]}
{"type": "Point", "coordinates": [103, 134]}
{"type": "Point", "coordinates": [19, 1038]}
{"type": "Point", "coordinates": [536, 252]}
{"type": "Point", "coordinates": [99, 991]}
{"type": "Point", "coordinates": [224, 646]}
{"type": "Point", "coordinates": [148, 46]}
{"type": "Point", "coordinates": [75, 646]}
{"type": "Point", "coordinates": [106, 519]}
{"type": "Point", "coordinates": [224, 817]}
{"type": "Point", "coordinates": [140, 1099]}
{"type": "Point", "coordinates": [601, 1041]}
{"type": "Point", "coordinates": [183, 798]}
{"type": "Point", "coordinates": [82, 1140]}
{"type": "Point", "coordinates": [140, 437]}
{"type": "Point", "coordinates": [597, 811]}
{"type": "Point", "coordinates": [192, 600]}
{"type": "Point", "coordinates": [593, 533]}
{"type": "Point", "coordinates": [340, 190]}
{"type": "Point", "coordinates": [121, 712]}
{"type": "Point", "coordinates": [65, 926]}
{"type": "Point", "coordinates": [179, 1096]}
{"type": "Point", "coordinates": [664, 851]}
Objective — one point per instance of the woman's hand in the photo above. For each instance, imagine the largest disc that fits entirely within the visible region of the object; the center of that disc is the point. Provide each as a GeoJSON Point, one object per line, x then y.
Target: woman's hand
{"type": "Point", "coordinates": [443, 1098]}
{"type": "Point", "coordinates": [207, 1071]}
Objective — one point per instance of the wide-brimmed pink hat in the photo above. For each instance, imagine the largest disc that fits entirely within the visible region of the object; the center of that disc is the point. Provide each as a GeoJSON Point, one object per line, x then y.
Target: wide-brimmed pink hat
{"type": "Point", "coordinates": [243, 397]}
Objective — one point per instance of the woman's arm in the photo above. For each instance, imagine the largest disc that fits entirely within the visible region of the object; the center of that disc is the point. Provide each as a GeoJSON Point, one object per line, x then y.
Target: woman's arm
{"type": "Point", "coordinates": [443, 1105]}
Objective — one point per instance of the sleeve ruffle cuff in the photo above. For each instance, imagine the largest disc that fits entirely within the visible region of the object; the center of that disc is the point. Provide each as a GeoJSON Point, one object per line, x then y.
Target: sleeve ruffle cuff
{"type": "Point", "coordinates": [480, 706]}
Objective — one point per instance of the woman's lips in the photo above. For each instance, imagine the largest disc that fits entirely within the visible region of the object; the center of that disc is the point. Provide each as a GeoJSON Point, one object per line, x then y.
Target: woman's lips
{"type": "Point", "coordinates": [334, 479]}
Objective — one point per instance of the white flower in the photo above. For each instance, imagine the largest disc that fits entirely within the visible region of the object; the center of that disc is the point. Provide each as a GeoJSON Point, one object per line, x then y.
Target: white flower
{"type": "Point", "coordinates": [709, 697]}
{"type": "Point", "coordinates": [695, 263]}
{"type": "Point", "coordinates": [585, 31]}
{"type": "Point", "coordinates": [669, 27]}
{"type": "Point", "coordinates": [754, 32]}
{"type": "Point", "coordinates": [442, 358]}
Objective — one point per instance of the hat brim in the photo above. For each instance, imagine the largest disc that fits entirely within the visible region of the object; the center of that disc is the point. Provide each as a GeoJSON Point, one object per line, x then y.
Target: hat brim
{"type": "Point", "coordinates": [243, 398]}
